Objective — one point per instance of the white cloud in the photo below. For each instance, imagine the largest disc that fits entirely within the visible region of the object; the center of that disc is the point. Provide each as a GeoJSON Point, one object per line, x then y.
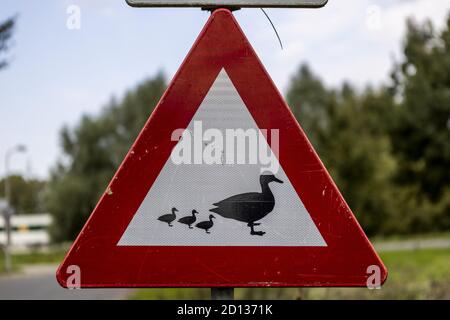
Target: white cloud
{"type": "Point", "coordinates": [353, 40]}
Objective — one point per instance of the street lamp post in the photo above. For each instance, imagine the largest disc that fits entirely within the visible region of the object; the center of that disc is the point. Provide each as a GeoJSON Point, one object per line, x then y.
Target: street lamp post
{"type": "Point", "coordinates": [8, 212]}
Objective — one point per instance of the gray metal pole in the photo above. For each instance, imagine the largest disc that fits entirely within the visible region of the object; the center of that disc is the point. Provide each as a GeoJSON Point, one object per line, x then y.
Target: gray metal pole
{"type": "Point", "coordinates": [7, 155]}
{"type": "Point", "coordinates": [17, 148]}
{"type": "Point", "coordinates": [7, 217]}
{"type": "Point", "coordinates": [8, 264]}
{"type": "Point", "coordinates": [222, 293]}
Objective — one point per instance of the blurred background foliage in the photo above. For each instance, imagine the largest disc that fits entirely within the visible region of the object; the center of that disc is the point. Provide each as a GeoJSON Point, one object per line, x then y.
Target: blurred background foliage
{"type": "Point", "coordinates": [6, 31]}
{"type": "Point", "coordinates": [93, 151]}
{"type": "Point", "coordinates": [27, 195]}
{"type": "Point", "coordinates": [387, 148]}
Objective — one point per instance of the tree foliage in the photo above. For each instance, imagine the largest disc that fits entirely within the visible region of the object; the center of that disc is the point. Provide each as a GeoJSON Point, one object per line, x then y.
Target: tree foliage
{"type": "Point", "coordinates": [26, 195]}
{"type": "Point", "coordinates": [421, 132]}
{"type": "Point", "coordinates": [388, 149]}
{"type": "Point", "coordinates": [6, 31]}
{"type": "Point", "coordinates": [348, 131]}
{"type": "Point", "coordinates": [92, 152]}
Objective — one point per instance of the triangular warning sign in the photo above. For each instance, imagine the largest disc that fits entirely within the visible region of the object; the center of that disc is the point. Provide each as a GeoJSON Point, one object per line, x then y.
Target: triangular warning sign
{"type": "Point", "coordinates": [222, 188]}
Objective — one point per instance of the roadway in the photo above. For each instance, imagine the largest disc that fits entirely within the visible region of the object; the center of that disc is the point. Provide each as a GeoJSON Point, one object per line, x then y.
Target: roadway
{"type": "Point", "coordinates": [38, 282]}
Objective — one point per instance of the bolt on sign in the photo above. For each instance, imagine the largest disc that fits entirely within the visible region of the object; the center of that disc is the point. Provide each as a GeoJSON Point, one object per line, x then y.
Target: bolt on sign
{"type": "Point", "coordinates": [229, 3]}
{"type": "Point", "coordinates": [222, 189]}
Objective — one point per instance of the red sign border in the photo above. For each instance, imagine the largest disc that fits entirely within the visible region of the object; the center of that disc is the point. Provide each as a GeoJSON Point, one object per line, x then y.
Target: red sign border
{"type": "Point", "coordinates": [344, 261]}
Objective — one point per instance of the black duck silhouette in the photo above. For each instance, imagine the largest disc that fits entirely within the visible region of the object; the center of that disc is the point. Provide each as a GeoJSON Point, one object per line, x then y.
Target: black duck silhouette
{"type": "Point", "coordinates": [169, 218]}
{"type": "Point", "coordinates": [249, 207]}
{"type": "Point", "coordinates": [189, 220]}
{"type": "Point", "coordinates": [206, 225]}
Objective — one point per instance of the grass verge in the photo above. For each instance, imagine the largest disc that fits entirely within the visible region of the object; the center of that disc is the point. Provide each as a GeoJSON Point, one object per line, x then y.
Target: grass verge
{"type": "Point", "coordinates": [34, 257]}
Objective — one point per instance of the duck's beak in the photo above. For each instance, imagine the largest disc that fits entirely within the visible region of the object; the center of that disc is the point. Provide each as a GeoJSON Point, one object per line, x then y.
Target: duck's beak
{"type": "Point", "coordinates": [277, 180]}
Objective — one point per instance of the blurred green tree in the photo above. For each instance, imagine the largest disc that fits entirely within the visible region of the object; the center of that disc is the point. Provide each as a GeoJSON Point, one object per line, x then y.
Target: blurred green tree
{"type": "Point", "coordinates": [27, 195]}
{"type": "Point", "coordinates": [93, 150]}
{"type": "Point", "coordinates": [349, 132]}
{"type": "Point", "coordinates": [421, 131]}
{"type": "Point", "coordinates": [6, 30]}
{"type": "Point", "coordinates": [311, 102]}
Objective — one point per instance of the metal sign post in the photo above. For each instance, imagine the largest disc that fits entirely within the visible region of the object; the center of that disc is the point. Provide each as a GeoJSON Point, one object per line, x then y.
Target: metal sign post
{"type": "Point", "coordinates": [222, 293]}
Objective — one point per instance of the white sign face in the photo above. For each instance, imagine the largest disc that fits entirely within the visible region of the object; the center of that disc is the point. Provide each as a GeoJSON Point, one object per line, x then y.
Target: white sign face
{"type": "Point", "coordinates": [205, 188]}
{"type": "Point", "coordinates": [229, 3]}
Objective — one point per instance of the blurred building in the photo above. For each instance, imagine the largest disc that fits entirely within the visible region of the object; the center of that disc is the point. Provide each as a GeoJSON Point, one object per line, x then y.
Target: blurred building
{"type": "Point", "coordinates": [27, 231]}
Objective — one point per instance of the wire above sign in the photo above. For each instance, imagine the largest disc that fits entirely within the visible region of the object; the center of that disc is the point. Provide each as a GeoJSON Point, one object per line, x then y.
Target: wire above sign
{"type": "Point", "coordinates": [229, 3]}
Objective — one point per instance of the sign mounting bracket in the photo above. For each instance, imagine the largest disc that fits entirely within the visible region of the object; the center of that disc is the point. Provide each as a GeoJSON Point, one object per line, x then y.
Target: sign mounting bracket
{"type": "Point", "coordinates": [229, 4]}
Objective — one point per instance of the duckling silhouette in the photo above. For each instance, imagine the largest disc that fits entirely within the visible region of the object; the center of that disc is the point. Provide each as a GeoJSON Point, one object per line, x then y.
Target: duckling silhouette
{"type": "Point", "coordinates": [249, 207]}
{"type": "Point", "coordinates": [189, 220]}
{"type": "Point", "coordinates": [206, 225]}
{"type": "Point", "coordinates": [169, 218]}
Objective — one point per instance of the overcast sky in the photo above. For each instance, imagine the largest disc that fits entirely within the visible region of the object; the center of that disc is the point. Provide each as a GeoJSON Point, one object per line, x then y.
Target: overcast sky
{"type": "Point", "coordinates": [57, 74]}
